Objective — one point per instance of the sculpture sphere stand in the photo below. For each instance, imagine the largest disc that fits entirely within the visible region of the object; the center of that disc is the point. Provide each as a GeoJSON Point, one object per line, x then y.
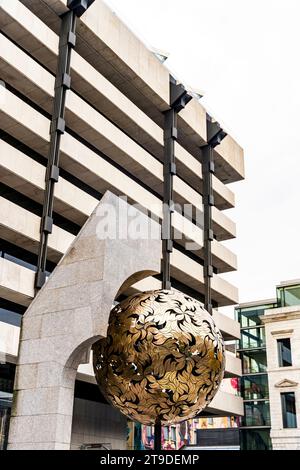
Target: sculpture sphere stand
{"type": "Point", "coordinates": [163, 359]}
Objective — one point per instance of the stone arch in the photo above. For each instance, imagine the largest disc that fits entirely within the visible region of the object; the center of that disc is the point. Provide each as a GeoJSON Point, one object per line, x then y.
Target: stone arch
{"type": "Point", "coordinates": [138, 276]}
{"type": "Point", "coordinates": [67, 316]}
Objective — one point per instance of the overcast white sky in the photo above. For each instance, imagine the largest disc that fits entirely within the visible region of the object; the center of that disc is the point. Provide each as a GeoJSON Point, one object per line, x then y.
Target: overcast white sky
{"type": "Point", "coordinates": [245, 56]}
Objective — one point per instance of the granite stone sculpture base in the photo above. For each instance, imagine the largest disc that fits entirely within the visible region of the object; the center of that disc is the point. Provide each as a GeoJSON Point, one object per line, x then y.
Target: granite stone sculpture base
{"type": "Point", "coordinates": [65, 319]}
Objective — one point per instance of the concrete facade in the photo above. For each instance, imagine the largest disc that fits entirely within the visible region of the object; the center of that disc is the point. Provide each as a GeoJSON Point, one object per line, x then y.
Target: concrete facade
{"type": "Point", "coordinates": [283, 322]}
{"type": "Point", "coordinates": [114, 141]}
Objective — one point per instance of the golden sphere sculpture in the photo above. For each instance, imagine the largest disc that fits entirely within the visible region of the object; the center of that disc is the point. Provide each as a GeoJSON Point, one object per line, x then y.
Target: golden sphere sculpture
{"type": "Point", "coordinates": [163, 358]}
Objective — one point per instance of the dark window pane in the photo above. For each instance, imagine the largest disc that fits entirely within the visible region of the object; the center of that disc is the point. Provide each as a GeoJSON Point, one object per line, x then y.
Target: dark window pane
{"type": "Point", "coordinates": [284, 352]}
{"type": "Point", "coordinates": [254, 387]}
{"type": "Point", "coordinates": [88, 391]}
{"type": "Point", "coordinates": [10, 312]}
{"type": "Point", "coordinates": [250, 316]}
{"type": "Point", "coordinates": [252, 338]}
{"type": "Point", "coordinates": [19, 255]}
{"type": "Point", "coordinates": [12, 318]}
{"type": "Point", "coordinates": [254, 361]}
{"type": "Point", "coordinates": [7, 373]}
{"type": "Point", "coordinates": [288, 404]}
{"type": "Point", "coordinates": [36, 208]}
{"type": "Point", "coordinates": [255, 439]}
{"type": "Point", "coordinates": [257, 413]}
{"type": "Point", "coordinates": [288, 296]}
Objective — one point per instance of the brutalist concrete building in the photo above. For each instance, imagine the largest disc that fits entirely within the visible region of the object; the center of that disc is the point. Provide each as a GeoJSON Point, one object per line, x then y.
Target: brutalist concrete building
{"type": "Point", "coordinates": [83, 106]}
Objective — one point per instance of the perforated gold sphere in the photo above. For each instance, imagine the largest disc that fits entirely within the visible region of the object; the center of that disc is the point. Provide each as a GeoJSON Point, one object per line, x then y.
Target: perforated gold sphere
{"type": "Point", "coordinates": [163, 358]}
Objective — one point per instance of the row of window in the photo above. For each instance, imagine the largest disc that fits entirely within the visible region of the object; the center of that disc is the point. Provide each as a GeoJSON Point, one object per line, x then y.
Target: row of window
{"type": "Point", "coordinates": [254, 387]}
{"type": "Point", "coordinates": [29, 204]}
{"type": "Point", "coordinates": [288, 295]}
{"type": "Point", "coordinates": [22, 257]}
{"type": "Point", "coordinates": [257, 413]}
{"type": "Point", "coordinates": [255, 439]}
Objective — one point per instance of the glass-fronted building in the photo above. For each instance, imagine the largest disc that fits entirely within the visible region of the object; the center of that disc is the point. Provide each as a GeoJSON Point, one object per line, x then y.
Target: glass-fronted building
{"type": "Point", "coordinates": [256, 422]}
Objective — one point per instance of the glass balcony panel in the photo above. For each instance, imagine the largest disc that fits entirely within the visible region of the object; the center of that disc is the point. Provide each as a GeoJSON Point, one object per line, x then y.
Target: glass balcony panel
{"type": "Point", "coordinates": [254, 361]}
{"type": "Point", "coordinates": [253, 338]}
{"type": "Point", "coordinates": [257, 413]}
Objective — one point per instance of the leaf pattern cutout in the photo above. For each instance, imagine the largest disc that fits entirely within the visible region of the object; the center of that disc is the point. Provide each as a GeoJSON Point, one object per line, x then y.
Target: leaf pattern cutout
{"type": "Point", "coordinates": [163, 357]}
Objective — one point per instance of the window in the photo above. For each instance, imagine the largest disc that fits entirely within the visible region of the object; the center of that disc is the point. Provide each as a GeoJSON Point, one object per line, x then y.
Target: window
{"type": "Point", "coordinates": [255, 387]}
{"type": "Point", "coordinates": [257, 413]}
{"type": "Point", "coordinates": [250, 316]}
{"type": "Point", "coordinates": [284, 352]}
{"type": "Point", "coordinates": [254, 361]}
{"type": "Point", "coordinates": [36, 208]}
{"type": "Point", "coordinates": [288, 296]}
{"type": "Point", "coordinates": [288, 405]}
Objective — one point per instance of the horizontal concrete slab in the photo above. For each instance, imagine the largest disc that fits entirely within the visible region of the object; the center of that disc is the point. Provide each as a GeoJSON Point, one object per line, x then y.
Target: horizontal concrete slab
{"type": "Point", "coordinates": [16, 283]}
{"type": "Point", "coordinates": [111, 141]}
{"type": "Point", "coordinates": [225, 404]}
{"type": "Point", "coordinates": [229, 326]}
{"type": "Point", "coordinates": [20, 172]}
{"type": "Point", "coordinates": [22, 228]}
{"type": "Point", "coordinates": [233, 366]}
{"type": "Point", "coordinates": [106, 42]}
{"type": "Point", "coordinates": [193, 277]}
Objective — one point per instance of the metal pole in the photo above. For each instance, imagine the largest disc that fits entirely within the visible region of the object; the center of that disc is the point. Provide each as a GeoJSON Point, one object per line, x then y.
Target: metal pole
{"type": "Point", "coordinates": [62, 84]}
{"type": "Point", "coordinates": [215, 135]}
{"type": "Point", "coordinates": [178, 99]}
{"type": "Point", "coordinates": [170, 135]}
{"type": "Point", "coordinates": [208, 235]}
